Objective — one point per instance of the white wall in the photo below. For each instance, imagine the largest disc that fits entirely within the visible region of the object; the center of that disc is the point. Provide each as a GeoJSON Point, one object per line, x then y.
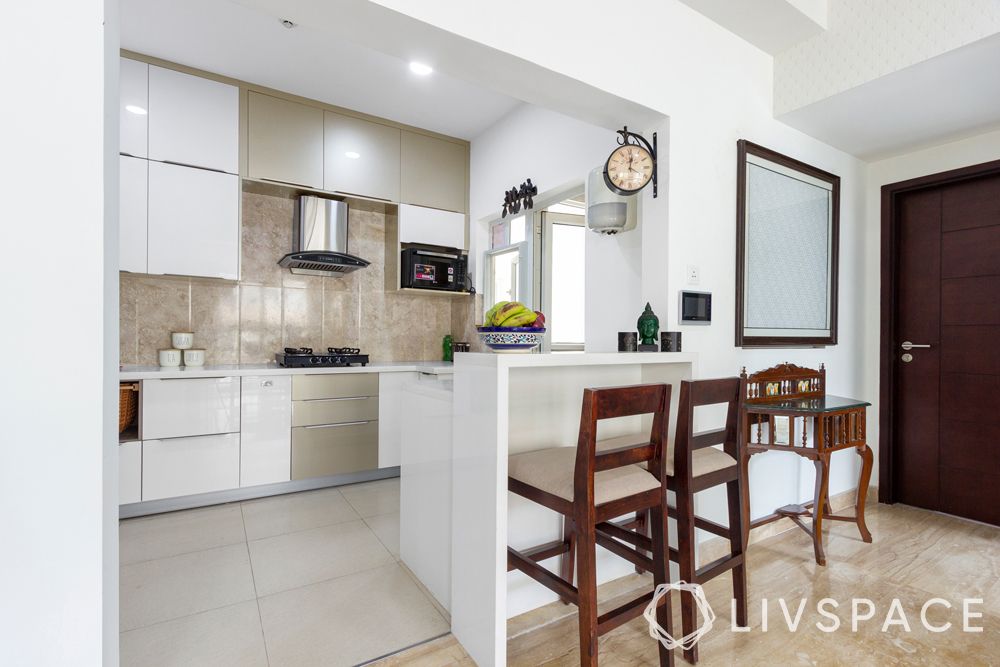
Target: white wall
{"type": "Point", "coordinates": [557, 153]}
{"type": "Point", "coordinates": [59, 561]}
{"type": "Point", "coordinates": [715, 88]}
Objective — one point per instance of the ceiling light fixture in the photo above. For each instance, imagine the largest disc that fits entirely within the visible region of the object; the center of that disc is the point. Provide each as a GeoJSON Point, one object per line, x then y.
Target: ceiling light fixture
{"type": "Point", "coordinates": [352, 155]}
{"type": "Point", "coordinates": [420, 69]}
{"type": "Point", "coordinates": [288, 24]}
{"type": "Point", "coordinates": [139, 111]}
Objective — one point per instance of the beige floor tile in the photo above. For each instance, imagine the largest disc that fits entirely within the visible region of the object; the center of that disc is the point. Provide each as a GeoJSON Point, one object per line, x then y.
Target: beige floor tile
{"type": "Point", "coordinates": [306, 557]}
{"type": "Point", "coordinates": [373, 498]}
{"type": "Point", "coordinates": [168, 588]}
{"type": "Point", "coordinates": [217, 638]}
{"type": "Point", "coordinates": [175, 533]}
{"type": "Point", "coordinates": [348, 620]}
{"type": "Point", "coordinates": [297, 511]}
{"type": "Point", "coordinates": [386, 528]}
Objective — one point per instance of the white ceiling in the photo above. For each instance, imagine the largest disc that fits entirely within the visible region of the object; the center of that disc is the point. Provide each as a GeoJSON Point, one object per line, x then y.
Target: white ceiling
{"type": "Point", "coordinates": [951, 96]}
{"type": "Point", "coordinates": [245, 43]}
{"type": "Point", "coordinates": [770, 25]}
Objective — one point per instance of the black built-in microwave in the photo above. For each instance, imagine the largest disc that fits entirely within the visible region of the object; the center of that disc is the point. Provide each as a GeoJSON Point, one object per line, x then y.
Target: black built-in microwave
{"type": "Point", "coordinates": [434, 268]}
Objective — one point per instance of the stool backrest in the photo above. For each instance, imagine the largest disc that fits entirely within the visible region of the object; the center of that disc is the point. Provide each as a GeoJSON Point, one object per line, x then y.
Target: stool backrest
{"type": "Point", "coordinates": [612, 402]}
{"type": "Point", "coordinates": [695, 393]}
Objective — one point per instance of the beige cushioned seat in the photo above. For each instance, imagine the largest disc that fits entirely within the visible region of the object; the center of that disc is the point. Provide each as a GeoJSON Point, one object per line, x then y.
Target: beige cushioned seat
{"type": "Point", "coordinates": [552, 470]}
{"type": "Point", "coordinates": [703, 461]}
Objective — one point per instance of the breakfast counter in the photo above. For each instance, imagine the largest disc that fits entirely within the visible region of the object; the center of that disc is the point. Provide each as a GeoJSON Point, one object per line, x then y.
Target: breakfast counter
{"type": "Point", "coordinates": [134, 373]}
{"type": "Point", "coordinates": [505, 404]}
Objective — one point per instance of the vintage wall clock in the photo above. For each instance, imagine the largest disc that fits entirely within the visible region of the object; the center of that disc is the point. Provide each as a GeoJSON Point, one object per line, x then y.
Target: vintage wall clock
{"type": "Point", "coordinates": [631, 166]}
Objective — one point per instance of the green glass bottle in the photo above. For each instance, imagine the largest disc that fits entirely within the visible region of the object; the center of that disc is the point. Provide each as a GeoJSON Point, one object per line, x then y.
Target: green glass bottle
{"type": "Point", "coordinates": [449, 349]}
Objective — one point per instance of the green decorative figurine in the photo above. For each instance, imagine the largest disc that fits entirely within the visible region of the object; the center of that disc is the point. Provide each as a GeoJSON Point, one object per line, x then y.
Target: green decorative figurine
{"type": "Point", "coordinates": [648, 326]}
{"type": "Point", "coordinates": [448, 349]}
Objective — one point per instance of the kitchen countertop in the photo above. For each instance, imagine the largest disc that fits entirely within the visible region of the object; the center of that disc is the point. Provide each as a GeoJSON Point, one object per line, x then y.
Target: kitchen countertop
{"type": "Point", "coordinates": [131, 373]}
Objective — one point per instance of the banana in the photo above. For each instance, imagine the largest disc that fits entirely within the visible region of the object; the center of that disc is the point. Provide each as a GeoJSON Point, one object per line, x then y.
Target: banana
{"type": "Point", "coordinates": [506, 311]}
{"type": "Point", "coordinates": [490, 318]}
{"type": "Point", "coordinates": [524, 318]}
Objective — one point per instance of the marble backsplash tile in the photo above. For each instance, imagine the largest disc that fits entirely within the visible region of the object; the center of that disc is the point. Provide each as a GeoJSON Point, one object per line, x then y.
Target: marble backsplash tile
{"type": "Point", "coordinates": [270, 308]}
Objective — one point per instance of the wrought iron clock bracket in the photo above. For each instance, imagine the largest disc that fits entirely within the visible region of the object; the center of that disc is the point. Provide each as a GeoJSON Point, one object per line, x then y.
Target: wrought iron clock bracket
{"type": "Point", "coordinates": [625, 138]}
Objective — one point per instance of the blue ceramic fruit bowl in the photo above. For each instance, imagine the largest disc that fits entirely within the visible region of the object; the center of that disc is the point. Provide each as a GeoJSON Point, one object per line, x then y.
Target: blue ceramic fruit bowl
{"type": "Point", "coordinates": [511, 339]}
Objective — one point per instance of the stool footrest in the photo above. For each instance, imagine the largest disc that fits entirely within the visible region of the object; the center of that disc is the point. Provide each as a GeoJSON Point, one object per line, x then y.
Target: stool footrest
{"type": "Point", "coordinates": [624, 551]}
{"type": "Point", "coordinates": [717, 567]}
{"type": "Point", "coordinates": [621, 615]}
{"type": "Point", "coordinates": [565, 590]}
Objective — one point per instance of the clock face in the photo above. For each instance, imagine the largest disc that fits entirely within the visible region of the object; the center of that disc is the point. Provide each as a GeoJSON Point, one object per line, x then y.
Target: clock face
{"type": "Point", "coordinates": [629, 169]}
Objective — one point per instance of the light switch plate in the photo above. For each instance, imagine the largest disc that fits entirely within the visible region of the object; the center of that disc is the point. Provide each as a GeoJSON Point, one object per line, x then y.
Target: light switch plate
{"type": "Point", "coordinates": [693, 274]}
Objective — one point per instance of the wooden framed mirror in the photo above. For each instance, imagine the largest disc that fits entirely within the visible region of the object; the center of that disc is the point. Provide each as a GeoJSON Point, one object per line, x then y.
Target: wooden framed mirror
{"type": "Point", "coordinates": [787, 236]}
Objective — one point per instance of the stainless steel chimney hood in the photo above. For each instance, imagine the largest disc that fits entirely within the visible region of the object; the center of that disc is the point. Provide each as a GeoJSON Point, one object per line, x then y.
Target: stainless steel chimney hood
{"type": "Point", "coordinates": [320, 239]}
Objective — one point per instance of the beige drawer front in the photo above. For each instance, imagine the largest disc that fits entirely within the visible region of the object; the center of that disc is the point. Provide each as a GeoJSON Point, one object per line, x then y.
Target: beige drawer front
{"type": "Point", "coordinates": [334, 410]}
{"type": "Point", "coordinates": [319, 451]}
{"type": "Point", "coordinates": [347, 385]}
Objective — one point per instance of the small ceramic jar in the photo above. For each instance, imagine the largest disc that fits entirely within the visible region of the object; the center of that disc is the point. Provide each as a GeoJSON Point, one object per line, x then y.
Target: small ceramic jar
{"type": "Point", "coordinates": [170, 358]}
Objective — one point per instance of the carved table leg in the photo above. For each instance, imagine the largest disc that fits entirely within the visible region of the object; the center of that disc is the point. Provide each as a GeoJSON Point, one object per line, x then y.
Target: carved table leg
{"type": "Point", "coordinates": [866, 474]}
{"type": "Point", "coordinates": [819, 497]}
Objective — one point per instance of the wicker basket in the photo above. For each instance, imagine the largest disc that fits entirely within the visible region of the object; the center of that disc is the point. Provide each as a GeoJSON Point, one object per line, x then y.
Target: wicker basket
{"type": "Point", "coordinates": [128, 405]}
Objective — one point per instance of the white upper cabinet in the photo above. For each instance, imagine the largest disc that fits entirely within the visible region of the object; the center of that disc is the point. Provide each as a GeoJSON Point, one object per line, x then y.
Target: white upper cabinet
{"type": "Point", "coordinates": [193, 121]}
{"type": "Point", "coordinates": [360, 157]}
{"type": "Point", "coordinates": [194, 222]}
{"type": "Point", "coordinates": [430, 226]}
{"type": "Point", "coordinates": [132, 213]}
{"type": "Point", "coordinates": [285, 141]}
{"type": "Point", "coordinates": [133, 95]}
{"type": "Point", "coordinates": [433, 172]}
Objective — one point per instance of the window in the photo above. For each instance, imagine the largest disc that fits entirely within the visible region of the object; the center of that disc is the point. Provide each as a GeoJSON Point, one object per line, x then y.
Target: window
{"type": "Point", "coordinates": [563, 278]}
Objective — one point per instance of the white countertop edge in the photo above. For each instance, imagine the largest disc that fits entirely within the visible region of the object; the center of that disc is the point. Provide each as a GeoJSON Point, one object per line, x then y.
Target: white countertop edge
{"type": "Point", "coordinates": [572, 359]}
{"type": "Point", "coordinates": [130, 373]}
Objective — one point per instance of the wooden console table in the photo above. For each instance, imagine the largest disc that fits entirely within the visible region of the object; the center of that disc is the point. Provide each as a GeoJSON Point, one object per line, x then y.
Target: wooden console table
{"type": "Point", "coordinates": [787, 395]}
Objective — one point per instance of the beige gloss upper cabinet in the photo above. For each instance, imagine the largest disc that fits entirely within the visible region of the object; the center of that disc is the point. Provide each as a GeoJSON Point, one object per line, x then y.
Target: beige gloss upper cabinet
{"type": "Point", "coordinates": [285, 141]}
{"type": "Point", "coordinates": [433, 172]}
{"type": "Point", "coordinates": [360, 157]}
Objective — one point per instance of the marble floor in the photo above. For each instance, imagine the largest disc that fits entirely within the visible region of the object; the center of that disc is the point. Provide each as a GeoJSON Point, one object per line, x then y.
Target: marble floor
{"type": "Point", "coordinates": [916, 556]}
{"type": "Point", "coordinates": [309, 578]}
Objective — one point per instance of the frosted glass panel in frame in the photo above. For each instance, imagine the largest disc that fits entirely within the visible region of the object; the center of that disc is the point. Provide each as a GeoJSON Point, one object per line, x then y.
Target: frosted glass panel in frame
{"type": "Point", "coordinates": [787, 232]}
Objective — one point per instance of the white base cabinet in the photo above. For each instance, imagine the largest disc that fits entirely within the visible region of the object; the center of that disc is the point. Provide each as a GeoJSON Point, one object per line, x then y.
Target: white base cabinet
{"type": "Point", "coordinates": [186, 466]}
{"type": "Point", "coordinates": [390, 411]}
{"type": "Point", "coordinates": [183, 407]}
{"type": "Point", "coordinates": [265, 430]}
{"type": "Point", "coordinates": [129, 472]}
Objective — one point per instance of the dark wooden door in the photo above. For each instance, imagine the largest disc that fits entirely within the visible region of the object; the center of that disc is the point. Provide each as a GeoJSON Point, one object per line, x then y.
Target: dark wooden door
{"type": "Point", "coordinates": [946, 413]}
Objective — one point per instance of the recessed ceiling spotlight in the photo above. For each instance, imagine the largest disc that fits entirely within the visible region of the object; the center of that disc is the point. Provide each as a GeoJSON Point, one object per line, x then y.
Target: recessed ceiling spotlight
{"type": "Point", "coordinates": [139, 111]}
{"type": "Point", "coordinates": [352, 155]}
{"type": "Point", "coordinates": [288, 24]}
{"type": "Point", "coordinates": [420, 69]}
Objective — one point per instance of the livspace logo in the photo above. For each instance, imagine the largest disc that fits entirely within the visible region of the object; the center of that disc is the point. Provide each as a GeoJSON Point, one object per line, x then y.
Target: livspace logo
{"type": "Point", "coordinates": [827, 613]}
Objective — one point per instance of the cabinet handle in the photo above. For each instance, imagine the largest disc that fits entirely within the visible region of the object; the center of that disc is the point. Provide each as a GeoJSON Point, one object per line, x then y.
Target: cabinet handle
{"type": "Point", "coordinates": [267, 383]}
{"type": "Point", "coordinates": [369, 421]}
{"type": "Point", "coordinates": [354, 194]}
{"type": "Point", "coordinates": [193, 166]}
{"type": "Point", "coordinates": [346, 398]}
{"type": "Point", "coordinates": [288, 183]}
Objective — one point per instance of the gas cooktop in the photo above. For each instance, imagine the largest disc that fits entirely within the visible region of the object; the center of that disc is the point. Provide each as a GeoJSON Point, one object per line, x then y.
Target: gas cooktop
{"type": "Point", "coordinates": [304, 357]}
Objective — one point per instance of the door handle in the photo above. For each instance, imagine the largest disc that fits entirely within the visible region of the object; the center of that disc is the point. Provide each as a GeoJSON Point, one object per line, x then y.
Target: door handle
{"type": "Point", "coordinates": [907, 345]}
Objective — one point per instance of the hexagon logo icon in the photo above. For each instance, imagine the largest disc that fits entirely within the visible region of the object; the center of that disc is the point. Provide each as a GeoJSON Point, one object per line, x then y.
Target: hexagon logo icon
{"type": "Point", "coordinates": [660, 634]}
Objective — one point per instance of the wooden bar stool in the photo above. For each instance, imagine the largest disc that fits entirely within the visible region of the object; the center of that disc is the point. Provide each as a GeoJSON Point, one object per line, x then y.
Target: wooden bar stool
{"type": "Point", "coordinates": [590, 488]}
{"type": "Point", "coordinates": [695, 465]}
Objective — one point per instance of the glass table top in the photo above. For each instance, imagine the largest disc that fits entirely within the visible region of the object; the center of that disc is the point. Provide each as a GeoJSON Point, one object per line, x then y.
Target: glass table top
{"type": "Point", "coordinates": [827, 403]}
